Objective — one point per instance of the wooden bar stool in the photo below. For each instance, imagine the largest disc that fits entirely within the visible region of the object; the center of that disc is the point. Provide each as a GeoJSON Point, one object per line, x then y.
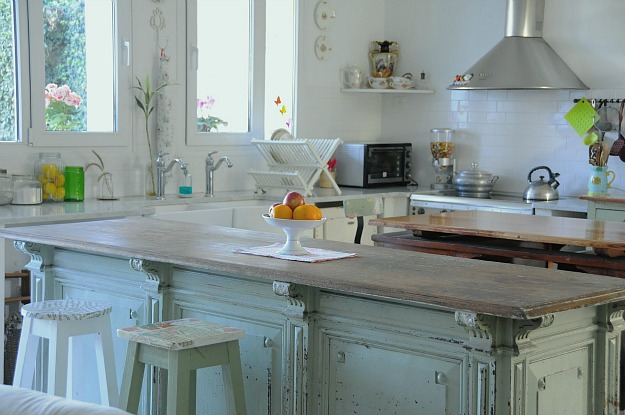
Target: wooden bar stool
{"type": "Point", "coordinates": [181, 347]}
{"type": "Point", "coordinates": [58, 321]}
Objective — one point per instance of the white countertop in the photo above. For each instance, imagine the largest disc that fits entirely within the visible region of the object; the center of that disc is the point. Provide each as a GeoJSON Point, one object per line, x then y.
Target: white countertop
{"type": "Point", "coordinates": [93, 209]}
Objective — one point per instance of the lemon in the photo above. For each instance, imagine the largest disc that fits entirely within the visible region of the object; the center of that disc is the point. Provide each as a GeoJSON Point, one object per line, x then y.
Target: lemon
{"type": "Point", "coordinates": [49, 188]}
{"type": "Point", "coordinates": [60, 180]}
{"type": "Point", "coordinates": [49, 171]}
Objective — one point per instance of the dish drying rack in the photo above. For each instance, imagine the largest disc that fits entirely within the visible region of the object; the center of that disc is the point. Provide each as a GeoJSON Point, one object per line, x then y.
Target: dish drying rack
{"type": "Point", "coordinates": [295, 164]}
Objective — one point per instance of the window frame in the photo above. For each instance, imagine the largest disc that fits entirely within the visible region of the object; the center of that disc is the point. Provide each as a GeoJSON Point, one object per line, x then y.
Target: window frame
{"type": "Point", "coordinates": [34, 132]}
{"type": "Point", "coordinates": [256, 88]}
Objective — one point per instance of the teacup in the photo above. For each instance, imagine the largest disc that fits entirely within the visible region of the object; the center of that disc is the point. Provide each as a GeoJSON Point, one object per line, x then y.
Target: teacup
{"type": "Point", "coordinates": [399, 82]}
{"type": "Point", "coordinates": [378, 83]}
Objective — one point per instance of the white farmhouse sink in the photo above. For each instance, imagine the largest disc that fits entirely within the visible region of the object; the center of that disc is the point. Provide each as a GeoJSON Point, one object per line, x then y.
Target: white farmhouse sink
{"type": "Point", "coordinates": [246, 214]}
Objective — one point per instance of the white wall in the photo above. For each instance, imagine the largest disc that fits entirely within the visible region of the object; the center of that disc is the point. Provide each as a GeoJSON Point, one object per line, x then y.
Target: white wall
{"type": "Point", "coordinates": [507, 133]}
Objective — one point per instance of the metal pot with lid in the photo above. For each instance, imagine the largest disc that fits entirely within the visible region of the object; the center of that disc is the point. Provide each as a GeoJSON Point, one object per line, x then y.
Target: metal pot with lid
{"type": "Point", "coordinates": [474, 183]}
{"type": "Point", "coordinates": [540, 190]}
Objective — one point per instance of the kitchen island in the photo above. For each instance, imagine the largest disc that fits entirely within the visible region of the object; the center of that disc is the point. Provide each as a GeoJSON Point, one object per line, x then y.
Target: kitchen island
{"type": "Point", "coordinates": [386, 331]}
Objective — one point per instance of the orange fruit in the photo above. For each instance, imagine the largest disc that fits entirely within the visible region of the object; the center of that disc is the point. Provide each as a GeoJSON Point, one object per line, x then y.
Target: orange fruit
{"type": "Point", "coordinates": [307, 212]}
{"type": "Point", "coordinates": [281, 212]}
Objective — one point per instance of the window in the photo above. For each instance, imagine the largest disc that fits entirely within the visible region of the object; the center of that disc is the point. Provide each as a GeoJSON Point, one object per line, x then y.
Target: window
{"type": "Point", "coordinates": [77, 67]}
{"type": "Point", "coordinates": [8, 78]}
{"type": "Point", "coordinates": [240, 69]}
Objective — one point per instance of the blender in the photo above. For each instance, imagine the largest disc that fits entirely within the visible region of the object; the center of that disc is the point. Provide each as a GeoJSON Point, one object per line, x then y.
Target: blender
{"type": "Point", "coordinates": [442, 147]}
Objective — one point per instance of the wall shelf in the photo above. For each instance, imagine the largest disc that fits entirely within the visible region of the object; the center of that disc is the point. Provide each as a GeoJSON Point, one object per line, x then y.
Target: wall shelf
{"type": "Point", "coordinates": [385, 91]}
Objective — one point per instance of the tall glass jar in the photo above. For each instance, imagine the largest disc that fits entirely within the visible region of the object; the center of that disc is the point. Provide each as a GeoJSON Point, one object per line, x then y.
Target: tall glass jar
{"type": "Point", "coordinates": [6, 188]}
{"type": "Point", "coordinates": [74, 183]}
{"type": "Point", "coordinates": [50, 171]}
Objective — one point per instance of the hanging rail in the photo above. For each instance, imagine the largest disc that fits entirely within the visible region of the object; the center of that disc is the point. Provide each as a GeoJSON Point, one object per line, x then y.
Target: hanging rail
{"type": "Point", "coordinates": [603, 101]}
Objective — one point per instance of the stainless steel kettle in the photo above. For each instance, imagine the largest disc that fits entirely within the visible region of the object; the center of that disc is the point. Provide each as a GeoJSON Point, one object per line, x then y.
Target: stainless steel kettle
{"type": "Point", "coordinates": [542, 190]}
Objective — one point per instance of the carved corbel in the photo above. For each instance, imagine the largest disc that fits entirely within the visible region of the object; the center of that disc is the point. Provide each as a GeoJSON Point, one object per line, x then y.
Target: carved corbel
{"type": "Point", "coordinates": [616, 320]}
{"type": "Point", "coordinates": [153, 283]}
{"type": "Point", "coordinates": [522, 339]}
{"type": "Point", "coordinates": [34, 251]}
{"type": "Point", "coordinates": [295, 305]}
{"type": "Point", "coordinates": [478, 327]}
{"type": "Point", "coordinates": [153, 286]}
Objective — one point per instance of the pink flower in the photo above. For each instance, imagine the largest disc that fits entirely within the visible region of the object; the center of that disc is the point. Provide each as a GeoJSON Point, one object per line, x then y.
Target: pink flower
{"type": "Point", "coordinates": [73, 99]}
{"type": "Point", "coordinates": [62, 92]}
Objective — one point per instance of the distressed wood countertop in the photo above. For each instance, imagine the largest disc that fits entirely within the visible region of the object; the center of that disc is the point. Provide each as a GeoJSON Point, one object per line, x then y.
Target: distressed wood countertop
{"type": "Point", "coordinates": [530, 228]}
{"type": "Point", "coordinates": [511, 291]}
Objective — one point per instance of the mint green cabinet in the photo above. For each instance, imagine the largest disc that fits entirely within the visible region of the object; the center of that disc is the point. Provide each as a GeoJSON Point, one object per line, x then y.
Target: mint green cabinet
{"type": "Point", "coordinates": [310, 351]}
{"type": "Point", "coordinates": [606, 210]}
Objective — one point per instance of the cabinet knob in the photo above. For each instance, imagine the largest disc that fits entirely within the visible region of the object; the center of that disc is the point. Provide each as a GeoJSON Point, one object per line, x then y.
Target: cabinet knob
{"type": "Point", "coordinates": [268, 342]}
{"type": "Point", "coordinates": [441, 378]}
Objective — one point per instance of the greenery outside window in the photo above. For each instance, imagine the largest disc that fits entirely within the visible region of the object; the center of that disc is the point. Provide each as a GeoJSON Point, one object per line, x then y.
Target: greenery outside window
{"type": "Point", "coordinates": [8, 68]}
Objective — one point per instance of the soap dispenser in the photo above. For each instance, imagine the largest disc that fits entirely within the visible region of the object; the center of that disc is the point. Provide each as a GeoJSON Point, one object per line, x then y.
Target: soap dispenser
{"type": "Point", "coordinates": [185, 184]}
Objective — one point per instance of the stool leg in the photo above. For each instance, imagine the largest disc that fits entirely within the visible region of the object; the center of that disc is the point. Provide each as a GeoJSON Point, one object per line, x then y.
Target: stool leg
{"type": "Point", "coordinates": [109, 394]}
{"type": "Point", "coordinates": [57, 360]}
{"type": "Point", "coordinates": [131, 380]}
{"type": "Point", "coordinates": [178, 383]}
{"type": "Point", "coordinates": [26, 356]}
{"type": "Point", "coordinates": [193, 392]}
{"type": "Point", "coordinates": [70, 368]}
{"type": "Point", "coordinates": [233, 380]}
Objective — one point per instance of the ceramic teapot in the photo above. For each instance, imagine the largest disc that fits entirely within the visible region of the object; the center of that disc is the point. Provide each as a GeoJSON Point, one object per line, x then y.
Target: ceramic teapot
{"type": "Point", "coordinates": [351, 76]}
{"type": "Point", "coordinates": [540, 189]}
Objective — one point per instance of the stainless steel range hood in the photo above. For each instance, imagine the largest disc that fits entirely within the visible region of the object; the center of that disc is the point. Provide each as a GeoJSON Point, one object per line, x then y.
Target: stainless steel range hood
{"type": "Point", "coordinates": [522, 59]}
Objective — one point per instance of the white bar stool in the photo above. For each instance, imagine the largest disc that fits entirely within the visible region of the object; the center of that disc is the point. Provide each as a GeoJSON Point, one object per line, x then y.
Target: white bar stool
{"type": "Point", "coordinates": [58, 321]}
{"type": "Point", "coordinates": [181, 347]}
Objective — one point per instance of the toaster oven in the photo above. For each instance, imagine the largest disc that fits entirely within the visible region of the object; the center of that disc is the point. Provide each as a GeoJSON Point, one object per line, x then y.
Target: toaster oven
{"type": "Point", "coordinates": [373, 164]}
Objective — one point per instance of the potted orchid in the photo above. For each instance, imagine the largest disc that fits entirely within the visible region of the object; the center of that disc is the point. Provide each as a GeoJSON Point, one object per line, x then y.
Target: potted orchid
{"type": "Point", "coordinates": [205, 121]}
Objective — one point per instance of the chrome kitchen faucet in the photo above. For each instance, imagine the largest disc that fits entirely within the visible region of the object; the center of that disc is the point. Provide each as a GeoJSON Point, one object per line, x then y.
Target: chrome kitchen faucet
{"type": "Point", "coordinates": [211, 166]}
{"type": "Point", "coordinates": [160, 173]}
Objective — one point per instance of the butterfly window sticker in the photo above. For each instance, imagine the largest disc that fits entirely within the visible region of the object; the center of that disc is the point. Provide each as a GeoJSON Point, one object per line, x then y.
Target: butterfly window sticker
{"type": "Point", "coordinates": [282, 109]}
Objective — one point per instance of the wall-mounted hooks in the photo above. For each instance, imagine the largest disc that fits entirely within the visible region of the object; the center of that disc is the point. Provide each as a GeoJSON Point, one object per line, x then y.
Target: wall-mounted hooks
{"type": "Point", "coordinates": [605, 101]}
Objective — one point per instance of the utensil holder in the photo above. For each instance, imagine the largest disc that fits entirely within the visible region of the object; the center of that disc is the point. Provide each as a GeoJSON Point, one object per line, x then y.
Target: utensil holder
{"type": "Point", "coordinates": [324, 182]}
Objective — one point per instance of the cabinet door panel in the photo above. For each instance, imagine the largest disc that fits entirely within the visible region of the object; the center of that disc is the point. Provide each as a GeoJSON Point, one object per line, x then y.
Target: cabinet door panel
{"type": "Point", "coordinates": [364, 379]}
{"type": "Point", "coordinates": [562, 375]}
{"type": "Point", "coordinates": [608, 214]}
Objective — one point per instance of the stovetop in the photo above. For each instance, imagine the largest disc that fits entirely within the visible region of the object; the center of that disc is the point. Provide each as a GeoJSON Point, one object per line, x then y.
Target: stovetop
{"type": "Point", "coordinates": [448, 199]}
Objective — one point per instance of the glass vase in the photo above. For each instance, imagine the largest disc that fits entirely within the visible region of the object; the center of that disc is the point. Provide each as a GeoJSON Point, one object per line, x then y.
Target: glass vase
{"type": "Point", "coordinates": [107, 188]}
{"type": "Point", "coordinates": [150, 180]}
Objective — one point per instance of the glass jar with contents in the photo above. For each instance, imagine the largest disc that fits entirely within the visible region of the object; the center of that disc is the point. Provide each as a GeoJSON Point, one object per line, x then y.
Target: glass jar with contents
{"type": "Point", "coordinates": [26, 190]}
{"type": "Point", "coordinates": [74, 183]}
{"type": "Point", "coordinates": [6, 188]}
{"type": "Point", "coordinates": [50, 171]}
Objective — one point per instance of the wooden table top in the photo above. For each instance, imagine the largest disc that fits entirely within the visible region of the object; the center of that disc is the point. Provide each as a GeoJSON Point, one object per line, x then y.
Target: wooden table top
{"type": "Point", "coordinates": [507, 290]}
{"type": "Point", "coordinates": [611, 198]}
{"type": "Point", "coordinates": [531, 228]}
